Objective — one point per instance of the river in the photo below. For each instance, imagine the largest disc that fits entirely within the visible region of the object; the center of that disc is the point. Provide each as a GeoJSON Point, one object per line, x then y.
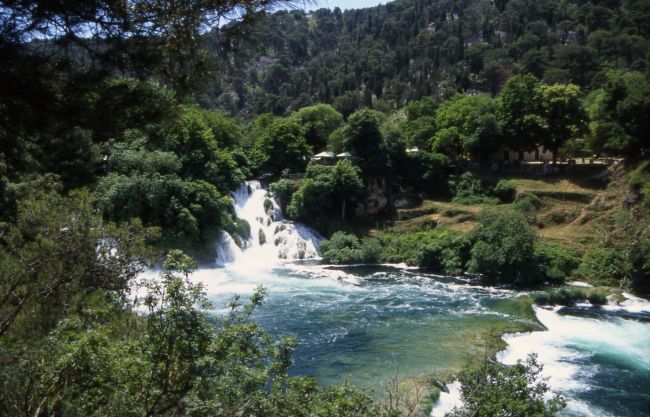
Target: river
{"type": "Point", "coordinates": [366, 323]}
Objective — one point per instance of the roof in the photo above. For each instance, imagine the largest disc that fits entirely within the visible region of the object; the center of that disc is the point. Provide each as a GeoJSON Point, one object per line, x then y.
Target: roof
{"type": "Point", "coordinates": [344, 155]}
{"type": "Point", "coordinates": [325, 155]}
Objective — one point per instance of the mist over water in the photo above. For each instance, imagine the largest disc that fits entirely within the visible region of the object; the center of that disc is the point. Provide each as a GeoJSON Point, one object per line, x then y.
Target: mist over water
{"type": "Point", "coordinates": [369, 322]}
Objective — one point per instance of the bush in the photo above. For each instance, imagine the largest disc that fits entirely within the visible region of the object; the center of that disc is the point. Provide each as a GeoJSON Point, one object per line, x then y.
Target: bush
{"type": "Point", "coordinates": [604, 266]}
{"type": "Point", "coordinates": [570, 296]}
{"type": "Point", "coordinates": [505, 191]}
{"type": "Point", "coordinates": [503, 248]}
{"type": "Point", "coordinates": [528, 204]}
{"type": "Point", "coordinates": [467, 189]}
{"type": "Point", "coordinates": [556, 262]}
{"type": "Point", "coordinates": [640, 181]}
{"type": "Point", "coordinates": [371, 250]}
{"type": "Point", "coordinates": [341, 248]}
{"type": "Point", "coordinates": [441, 250]}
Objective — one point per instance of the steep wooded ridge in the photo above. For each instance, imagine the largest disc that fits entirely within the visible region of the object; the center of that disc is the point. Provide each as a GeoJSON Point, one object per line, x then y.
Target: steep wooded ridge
{"type": "Point", "coordinates": [387, 55]}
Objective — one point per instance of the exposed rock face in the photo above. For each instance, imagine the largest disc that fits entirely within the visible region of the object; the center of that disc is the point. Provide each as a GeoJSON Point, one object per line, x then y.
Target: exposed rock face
{"type": "Point", "coordinates": [376, 200]}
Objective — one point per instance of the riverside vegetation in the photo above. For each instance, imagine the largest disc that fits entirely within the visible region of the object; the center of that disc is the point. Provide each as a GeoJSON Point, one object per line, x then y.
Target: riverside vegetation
{"type": "Point", "coordinates": [125, 126]}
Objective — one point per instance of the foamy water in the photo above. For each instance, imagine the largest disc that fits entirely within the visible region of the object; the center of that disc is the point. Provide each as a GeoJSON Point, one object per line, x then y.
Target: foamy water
{"type": "Point", "coordinates": [578, 353]}
{"type": "Point", "coordinates": [272, 238]}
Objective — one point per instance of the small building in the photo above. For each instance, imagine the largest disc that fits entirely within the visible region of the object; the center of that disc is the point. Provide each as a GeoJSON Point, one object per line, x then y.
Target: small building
{"type": "Point", "coordinates": [325, 158]}
{"type": "Point", "coordinates": [539, 154]}
{"type": "Point", "coordinates": [414, 149]}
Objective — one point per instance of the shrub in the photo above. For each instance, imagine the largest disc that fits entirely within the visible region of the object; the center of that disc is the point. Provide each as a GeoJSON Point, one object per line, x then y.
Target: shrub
{"type": "Point", "coordinates": [556, 262]}
{"type": "Point", "coordinates": [467, 189]}
{"type": "Point", "coordinates": [496, 389]}
{"type": "Point", "coordinates": [268, 205]}
{"type": "Point", "coordinates": [528, 205]}
{"type": "Point", "coordinates": [239, 230]}
{"type": "Point", "coordinates": [504, 191]}
{"type": "Point", "coordinates": [603, 266]}
{"type": "Point", "coordinates": [503, 248]}
{"type": "Point", "coordinates": [442, 250]}
{"type": "Point", "coordinates": [371, 249]}
{"type": "Point", "coordinates": [640, 181]}
{"type": "Point", "coordinates": [341, 248]}
{"type": "Point", "coordinates": [570, 296]}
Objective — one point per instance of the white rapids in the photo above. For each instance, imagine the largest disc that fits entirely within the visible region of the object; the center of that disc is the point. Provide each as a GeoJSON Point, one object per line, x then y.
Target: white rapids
{"type": "Point", "coordinates": [565, 349]}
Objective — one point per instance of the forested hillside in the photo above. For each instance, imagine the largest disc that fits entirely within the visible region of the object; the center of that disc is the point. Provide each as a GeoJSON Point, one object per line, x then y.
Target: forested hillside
{"type": "Point", "coordinates": [390, 54]}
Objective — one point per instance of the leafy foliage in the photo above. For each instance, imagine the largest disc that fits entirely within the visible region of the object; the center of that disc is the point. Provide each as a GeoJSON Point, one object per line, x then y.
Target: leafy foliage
{"type": "Point", "coordinates": [503, 248]}
{"type": "Point", "coordinates": [344, 248]}
{"type": "Point", "coordinates": [570, 296]}
{"type": "Point", "coordinates": [603, 266]}
{"type": "Point", "coordinates": [173, 361]}
{"type": "Point", "coordinates": [495, 389]}
{"type": "Point", "coordinates": [319, 121]}
{"type": "Point", "coordinates": [281, 146]}
{"type": "Point", "coordinates": [325, 193]}
{"type": "Point", "coordinates": [556, 262]}
{"type": "Point", "coordinates": [466, 126]}
{"type": "Point", "coordinates": [58, 255]}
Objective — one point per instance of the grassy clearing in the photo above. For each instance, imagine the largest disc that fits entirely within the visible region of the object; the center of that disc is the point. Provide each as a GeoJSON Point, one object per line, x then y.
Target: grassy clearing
{"type": "Point", "coordinates": [562, 185]}
{"type": "Point", "coordinates": [445, 214]}
{"type": "Point", "coordinates": [565, 217]}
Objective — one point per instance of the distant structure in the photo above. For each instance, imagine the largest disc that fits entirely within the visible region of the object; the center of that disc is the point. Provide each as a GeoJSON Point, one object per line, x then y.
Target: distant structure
{"type": "Point", "coordinates": [329, 158]}
{"type": "Point", "coordinates": [539, 154]}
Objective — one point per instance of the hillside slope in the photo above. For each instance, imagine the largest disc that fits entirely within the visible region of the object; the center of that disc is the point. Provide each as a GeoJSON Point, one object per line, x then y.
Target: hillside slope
{"type": "Point", "coordinates": [387, 55]}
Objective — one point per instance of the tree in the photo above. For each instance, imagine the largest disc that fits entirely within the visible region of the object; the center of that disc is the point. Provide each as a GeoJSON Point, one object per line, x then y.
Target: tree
{"type": "Point", "coordinates": [467, 126]}
{"type": "Point", "coordinates": [57, 256]}
{"type": "Point", "coordinates": [518, 110]}
{"type": "Point", "coordinates": [60, 100]}
{"type": "Point", "coordinates": [617, 124]}
{"type": "Point", "coordinates": [203, 142]}
{"type": "Point", "coordinates": [166, 189]}
{"type": "Point", "coordinates": [563, 115]}
{"type": "Point", "coordinates": [161, 39]}
{"type": "Point", "coordinates": [282, 146]}
{"type": "Point", "coordinates": [347, 183]}
{"type": "Point", "coordinates": [419, 126]}
{"type": "Point", "coordinates": [494, 389]}
{"type": "Point", "coordinates": [364, 140]}
{"type": "Point", "coordinates": [319, 121]}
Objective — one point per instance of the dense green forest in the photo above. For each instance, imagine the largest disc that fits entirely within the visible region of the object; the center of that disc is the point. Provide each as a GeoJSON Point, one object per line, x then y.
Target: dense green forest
{"type": "Point", "coordinates": [124, 128]}
{"type": "Point", "coordinates": [386, 56]}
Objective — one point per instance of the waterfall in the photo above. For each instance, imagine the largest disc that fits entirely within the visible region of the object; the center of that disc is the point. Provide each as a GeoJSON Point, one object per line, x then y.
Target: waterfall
{"type": "Point", "coordinates": [227, 250]}
{"type": "Point", "coordinates": [273, 238]}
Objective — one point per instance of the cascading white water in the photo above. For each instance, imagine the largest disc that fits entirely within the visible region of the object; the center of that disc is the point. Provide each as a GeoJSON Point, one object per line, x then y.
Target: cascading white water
{"type": "Point", "coordinates": [569, 341]}
{"type": "Point", "coordinates": [272, 237]}
{"type": "Point", "coordinates": [227, 250]}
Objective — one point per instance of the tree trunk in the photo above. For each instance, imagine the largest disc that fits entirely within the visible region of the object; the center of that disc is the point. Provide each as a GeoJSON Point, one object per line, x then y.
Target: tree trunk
{"type": "Point", "coordinates": [343, 210]}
